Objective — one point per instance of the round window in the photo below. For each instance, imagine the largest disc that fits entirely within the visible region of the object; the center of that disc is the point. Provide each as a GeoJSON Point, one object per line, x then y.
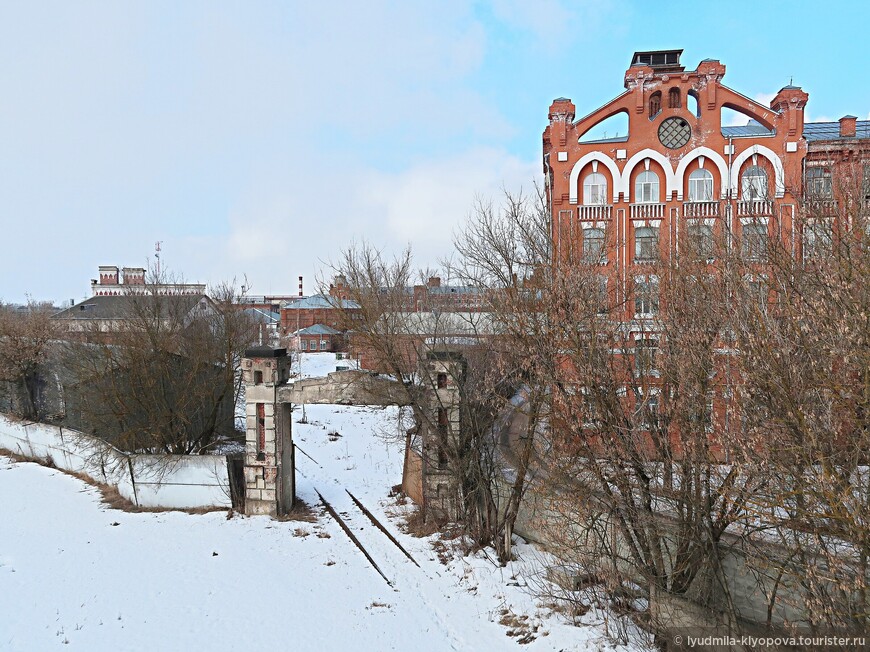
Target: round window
{"type": "Point", "coordinates": [674, 132]}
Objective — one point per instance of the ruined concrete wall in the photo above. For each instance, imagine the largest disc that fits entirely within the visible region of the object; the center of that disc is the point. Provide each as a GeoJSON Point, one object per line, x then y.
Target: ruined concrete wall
{"type": "Point", "coordinates": [412, 475]}
{"type": "Point", "coordinates": [349, 387]}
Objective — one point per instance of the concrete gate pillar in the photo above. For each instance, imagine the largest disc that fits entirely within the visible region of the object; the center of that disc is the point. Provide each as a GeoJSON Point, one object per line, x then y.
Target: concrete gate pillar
{"type": "Point", "coordinates": [270, 485]}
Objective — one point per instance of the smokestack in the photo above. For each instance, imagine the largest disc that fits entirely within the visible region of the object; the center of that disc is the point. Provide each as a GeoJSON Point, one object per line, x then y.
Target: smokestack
{"type": "Point", "coordinates": [300, 286]}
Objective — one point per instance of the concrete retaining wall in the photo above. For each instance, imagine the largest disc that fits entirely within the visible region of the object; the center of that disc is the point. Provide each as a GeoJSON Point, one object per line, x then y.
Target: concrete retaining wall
{"type": "Point", "coordinates": [168, 481]}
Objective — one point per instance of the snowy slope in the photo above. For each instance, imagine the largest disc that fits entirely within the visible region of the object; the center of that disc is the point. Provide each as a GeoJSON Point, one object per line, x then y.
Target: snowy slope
{"type": "Point", "coordinates": [76, 575]}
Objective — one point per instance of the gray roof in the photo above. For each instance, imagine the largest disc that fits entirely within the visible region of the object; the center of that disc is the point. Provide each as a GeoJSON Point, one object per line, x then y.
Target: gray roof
{"type": "Point", "coordinates": [320, 301]}
{"type": "Point", "coordinates": [753, 128]}
{"type": "Point", "coordinates": [831, 130]}
{"type": "Point", "coordinates": [124, 306]}
{"type": "Point", "coordinates": [317, 329]}
{"type": "Point", "coordinates": [263, 316]}
{"type": "Point", "coordinates": [456, 289]}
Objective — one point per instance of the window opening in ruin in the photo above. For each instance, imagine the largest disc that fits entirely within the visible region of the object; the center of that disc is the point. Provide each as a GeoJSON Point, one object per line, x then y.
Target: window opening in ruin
{"type": "Point", "coordinates": [674, 99]}
{"type": "Point", "coordinates": [261, 432]}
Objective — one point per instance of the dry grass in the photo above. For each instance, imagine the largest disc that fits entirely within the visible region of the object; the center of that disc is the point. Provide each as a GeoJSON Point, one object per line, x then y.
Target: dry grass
{"type": "Point", "coordinates": [301, 511]}
{"type": "Point", "coordinates": [519, 626]}
{"type": "Point", "coordinates": [416, 526]}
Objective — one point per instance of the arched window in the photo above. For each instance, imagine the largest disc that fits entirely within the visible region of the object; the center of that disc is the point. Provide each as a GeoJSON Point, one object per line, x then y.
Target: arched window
{"type": "Point", "coordinates": [701, 185]}
{"type": "Point", "coordinates": [646, 188]}
{"type": "Point", "coordinates": [655, 104]}
{"type": "Point", "coordinates": [674, 99]}
{"type": "Point", "coordinates": [754, 183]}
{"type": "Point", "coordinates": [594, 189]}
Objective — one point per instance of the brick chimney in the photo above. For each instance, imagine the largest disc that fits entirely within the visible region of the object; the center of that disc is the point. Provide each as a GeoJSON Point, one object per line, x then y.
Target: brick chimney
{"type": "Point", "coordinates": [434, 282]}
{"type": "Point", "coordinates": [848, 126]}
{"type": "Point", "coordinates": [108, 275]}
{"type": "Point", "coordinates": [134, 275]}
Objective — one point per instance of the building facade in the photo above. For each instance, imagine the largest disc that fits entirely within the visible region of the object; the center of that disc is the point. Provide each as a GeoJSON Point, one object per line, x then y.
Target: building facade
{"type": "Point", "coordinates": [681, 178]}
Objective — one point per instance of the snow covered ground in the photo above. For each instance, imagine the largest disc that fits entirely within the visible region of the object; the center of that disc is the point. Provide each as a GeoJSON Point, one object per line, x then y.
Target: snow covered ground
{"type": "Point", "coordinates": [75, 573]}
{"type": "Point", "coordinates": [316, 365]}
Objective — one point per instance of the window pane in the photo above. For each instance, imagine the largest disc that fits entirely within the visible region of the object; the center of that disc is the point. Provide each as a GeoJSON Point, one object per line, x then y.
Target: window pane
{"type": "Point", "coordinates": [701, 186]}
{"type": "Point", "coordinates": [593, 245]}
{"type": "Point", "coordinates": [646, 243]}
{"type": "Point", "coordinates": [754, 183]}
{"type": "Point", "coordinates": [594, 189]}
{"type": "Point", "coordinates": [700, 241]}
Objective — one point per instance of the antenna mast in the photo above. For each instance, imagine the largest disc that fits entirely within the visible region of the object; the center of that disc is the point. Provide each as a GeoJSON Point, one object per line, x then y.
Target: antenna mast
{"type": "Point", "coordinates": [157, 255]}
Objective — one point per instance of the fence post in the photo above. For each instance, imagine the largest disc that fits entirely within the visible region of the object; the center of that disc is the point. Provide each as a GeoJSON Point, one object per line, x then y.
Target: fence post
{"type": "Point", "coordinates": [132, 480]}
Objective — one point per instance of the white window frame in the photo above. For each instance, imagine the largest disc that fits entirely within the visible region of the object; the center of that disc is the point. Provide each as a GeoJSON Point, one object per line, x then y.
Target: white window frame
{"type": "Point", "coordinates": [747, 249]}
{"type": "Point", "coordinates": [323, 345]}
{"type": "Point", "coordinates": [818, 238]}
{"type": "Point", "coordinates": [596, 256]}
{"type": "Point", "coordinates": [639, 249]}
{"type": "Point", "coordinates": [701, 232]}
{"type": "Point", "coordinates": [595, 189]}
{"type": "Point", "coordinates": [646, 188]}
{"type": "Point", "coordinates": [754, 184]}
{"type": "Point", "coordinates": [303, 344]}
{"type": "Point", "coordinates": [701, 185]}
{"type": "Point", "coordinates": [648, 300]}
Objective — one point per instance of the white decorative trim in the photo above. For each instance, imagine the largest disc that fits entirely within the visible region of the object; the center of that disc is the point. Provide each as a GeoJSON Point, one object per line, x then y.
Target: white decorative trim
{"type": "Point", "coordinates": [656, 224]}
{"type": "Point", "coordinates": [594, 167]}
{"type": "Point", "coordinates": [563, 156]}
{"type": "Point", "coordinates": [706, 221]}
{"type": "Point", "coordinates": [578, 167]}
{"type": "Point", "coordinates": [593, 224]}
{"type": "Point", "coordinates": [701, 160]}
{"type": "Point", "coordinates": [721, 165]}
{"type": "Point", "coordinates": [621, 154]}
{"type": "Point", "coordinates": [791, 147]}
{"type": "Point", "coordinates": [754, 220]}
{"type": "Point", "coordinates": [625, 180]}
{"type": "Point", "coordinates": [729, 149]}
{"type": "Point", "coordinates": [770, 155]}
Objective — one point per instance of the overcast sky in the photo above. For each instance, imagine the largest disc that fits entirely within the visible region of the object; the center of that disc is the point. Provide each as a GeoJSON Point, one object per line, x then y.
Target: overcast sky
{"type": "Point", "coordinates": [260, 138]}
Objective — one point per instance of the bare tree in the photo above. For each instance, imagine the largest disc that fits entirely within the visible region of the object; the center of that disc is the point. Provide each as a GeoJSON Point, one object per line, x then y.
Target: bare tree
{"type": "Point", "coordinates": [804, 362]}
{"type": "Point", "coordinates": [25, 338]}
{"type": "Point", "coordinates": [166, 377]}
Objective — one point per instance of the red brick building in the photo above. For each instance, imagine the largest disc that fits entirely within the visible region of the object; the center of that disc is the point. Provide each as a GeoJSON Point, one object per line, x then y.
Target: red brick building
{"type": "Point", "coordinates": [680, 176]}
{"type": "Point", "coordinates": [318, 309]}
